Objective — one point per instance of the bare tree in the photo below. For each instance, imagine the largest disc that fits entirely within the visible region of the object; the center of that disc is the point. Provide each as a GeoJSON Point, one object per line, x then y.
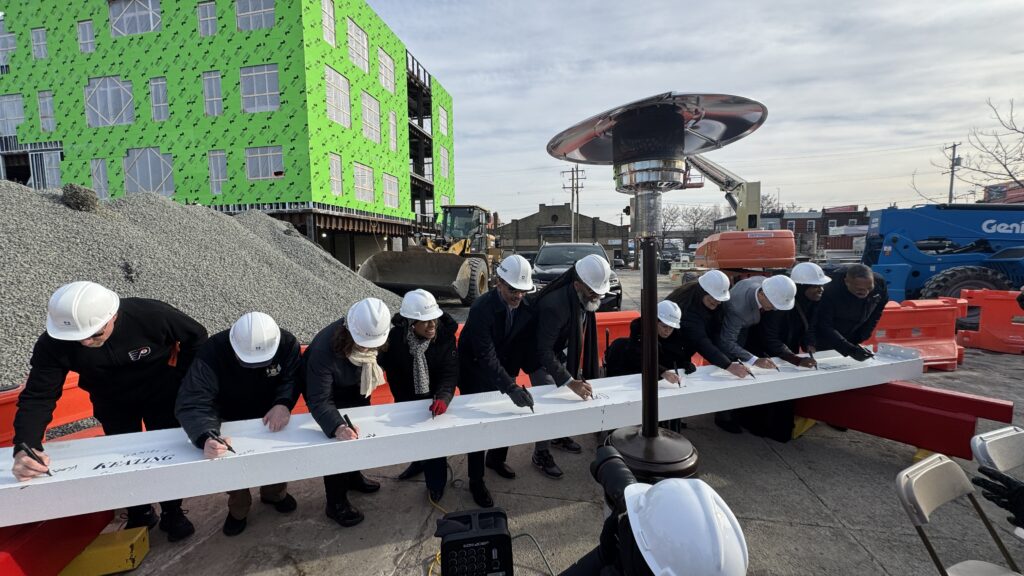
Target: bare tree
{"type": "Point", "coordinates": [698, 217]}
{"type": "Point", "coordinates": [793, 207]}
{"type": "Point", "coordinates": [995, 155]}
{"type": "Point", "coordinates": [770, 203]}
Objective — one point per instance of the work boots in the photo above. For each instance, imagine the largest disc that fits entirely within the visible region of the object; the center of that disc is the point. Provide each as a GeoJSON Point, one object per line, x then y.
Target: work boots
{"type": "Point", "coordinates": [481, 495]}
{"type": "Point", "coordinates": [363, 484]}
{"type": "Point", "coordinates": [344, 513]}
{"type": "Point", "coordinates": [173, 521]}
{"type": "Point", "coordinates": [543, 460]}
{"type": "Point", "coordinates": [141, 516]}
{"type": "Point", "coordinates": [411, 471]}
{"type": "Point", "coordinates": [567, 444]}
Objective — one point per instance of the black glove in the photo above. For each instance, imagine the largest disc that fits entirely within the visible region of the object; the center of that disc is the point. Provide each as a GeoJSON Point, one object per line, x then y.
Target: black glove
{"type": "Point", "coordinates": [860, 353]}
{"type": "Point", "coordinates": [1004, 492]}
{"type": "Point", "coordinates": [520, 396]}
{"type": "Point", "coordinates": [689, 368]}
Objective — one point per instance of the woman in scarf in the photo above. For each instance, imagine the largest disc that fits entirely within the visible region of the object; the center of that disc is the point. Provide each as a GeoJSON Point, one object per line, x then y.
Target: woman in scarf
{"type": "Point", "coordinates": [421, 363]}
{"type": "Point", "coordinates": [342, 372]}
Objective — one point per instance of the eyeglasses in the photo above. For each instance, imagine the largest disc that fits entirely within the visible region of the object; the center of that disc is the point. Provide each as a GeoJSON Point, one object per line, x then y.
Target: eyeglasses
{"type": "Point", "coordinates": [98, 334]}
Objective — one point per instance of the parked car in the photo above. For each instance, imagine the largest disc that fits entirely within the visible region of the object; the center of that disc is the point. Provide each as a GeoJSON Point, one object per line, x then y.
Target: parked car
{"type": "Point", "coordinates": [530, 256]}
{"type": "Point", "coordinates": [554, 259]}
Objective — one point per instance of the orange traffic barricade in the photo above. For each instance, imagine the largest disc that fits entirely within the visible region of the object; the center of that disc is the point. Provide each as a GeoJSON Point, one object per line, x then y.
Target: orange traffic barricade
{"type": "Point", "coordinates": [926, 325]}
{"type": "Point", "coordinates": [1000, 324]}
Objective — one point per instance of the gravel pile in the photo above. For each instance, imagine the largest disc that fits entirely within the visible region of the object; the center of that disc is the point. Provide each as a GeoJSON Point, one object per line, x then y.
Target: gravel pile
{"type": "Point", "coordinates": [212, 266]}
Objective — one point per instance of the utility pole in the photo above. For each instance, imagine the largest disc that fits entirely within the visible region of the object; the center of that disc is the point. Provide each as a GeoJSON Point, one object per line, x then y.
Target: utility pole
{"type": "Point", "coordinates": [954, 163]}
{"type": "Point", "coordinates": [574, 187]}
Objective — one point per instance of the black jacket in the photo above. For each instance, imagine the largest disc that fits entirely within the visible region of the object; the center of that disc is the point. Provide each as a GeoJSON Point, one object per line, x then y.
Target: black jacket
{"type": "Point", "coordinates": [442, 361]}
{"type": "Point", "coordinates": [626, 355]}
{"type": "Point", "coordinates": [842, 320]}
{"type": "Point", "coordinates": [332, 381]}
{"type": "Point", "coordinates": [490, 357]}
{"type": "Point", "coordinates": [218, 389]}
{"type": "Point", "coordinates": [698, 333]}
{"type": "Point", "coordinates": [558, 345]}
{"type": "Point", "coordinates": [783, 333]}
{"type": "Point", "coordinates": [149, 350]}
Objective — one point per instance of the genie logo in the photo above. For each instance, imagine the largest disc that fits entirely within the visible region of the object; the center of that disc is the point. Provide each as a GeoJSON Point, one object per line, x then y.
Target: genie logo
{"type": "Point", "coordinates": [997, 227]}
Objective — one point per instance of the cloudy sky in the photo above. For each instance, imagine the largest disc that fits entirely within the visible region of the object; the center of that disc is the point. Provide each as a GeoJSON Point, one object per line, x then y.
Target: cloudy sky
{"type": "Point", "coordinates": [859, 95]}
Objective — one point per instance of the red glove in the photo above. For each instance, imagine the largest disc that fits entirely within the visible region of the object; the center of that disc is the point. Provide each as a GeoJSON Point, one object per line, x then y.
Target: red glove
{"type": "Point", "coordinates": [438, 407]}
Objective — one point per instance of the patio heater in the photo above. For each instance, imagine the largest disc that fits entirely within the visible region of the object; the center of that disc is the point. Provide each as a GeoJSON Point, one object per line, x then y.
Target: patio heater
{"type": "Point", "coordinates": [647, 143]}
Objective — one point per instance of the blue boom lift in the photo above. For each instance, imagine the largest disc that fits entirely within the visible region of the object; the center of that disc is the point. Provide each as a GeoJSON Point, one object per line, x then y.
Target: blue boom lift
{"type": "Point", "coordinates": [941, 249]}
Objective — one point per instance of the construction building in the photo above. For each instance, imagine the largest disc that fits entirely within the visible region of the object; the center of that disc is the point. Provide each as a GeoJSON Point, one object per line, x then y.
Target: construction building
{"type": "Point", "coordinates": [313, 111]}
{"type": "Point", "coordinates": [555, 224]}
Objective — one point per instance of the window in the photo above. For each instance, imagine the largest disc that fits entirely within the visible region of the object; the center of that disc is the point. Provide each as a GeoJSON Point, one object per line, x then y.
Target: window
{"type": "Point", "coordinates": [158, 99]}
{"type": "Point", "coordinates": [100, 182]}
{"type": "Point", "coordinates": [336, 176]}
{"type": "Point", "coordinates": [134, 17]}
{"type": "Point", "coordinates": [442, 120]}
{"type": "Point", "coordinates": [371, 118]}
{"type": "Point", "coordinates": [387, 70]}
{"type": "Point", "coordinates": [218, 171]}
{"type": "Point", "coordinates": [47, 120]}
{"type": "Point", "coordinates": [264, 163]}
{"type": "Point", "coordinates": [771, 226]}
{"type": "Point", "coordinates": [48, 163]}
{"type": "Point", "coordinates": [109, 102]}
{"type": "Point", "coordinates": [147, 170]}
{"type": "Point", "coordinates": [811, 225]}
{"type": "Point", "coordinates": [12, 114]}
{"type": "Point", "coordinates": [831, 224]}
{"type": "Point", "coordinates": [207, 12]}
{"type": "Point", "coordinates": [254, 14]}
{"type": "Point", "coordinates": [86, 37]}
{"type": "Point", "coordinates": [364, 183]}
{"type": "Point", "coordinates": [259, 89]}
{"type": "Point", "coordinates": [8, 42]}
{"type": "Point", "coordinates": [213, 104]}
{"type": "Point", "coordinates": [338, 106]}
{"type": "Point", "coordinates": [444, 162]}
{"type": "Point", "coordinates": [327, 7]}
{"type": "Point", "coordinates": [791, 225]}
{"type": "Point", "coordinates": [393, 131]}
{"type": "Point", "coordinates": [39, 51]}
{"type": "Point", "coordinates": [390, 191]}
{"type": "Point", "coordinates": [852, 222]}
{"type": "Point", "coordinates": [358, 46]}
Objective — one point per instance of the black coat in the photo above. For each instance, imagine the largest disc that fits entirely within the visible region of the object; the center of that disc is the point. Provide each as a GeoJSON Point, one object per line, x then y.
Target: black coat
{"type": "Point", "coordinates": [441, 355]}
{"type": "Point", "coordinates": [332, 382]}
{"type": "Point", "coordinates": [626, 355]}
{"type": "Point", "coordinates": [783, 333]}
{"type": "Point", "coordinates": [697, 334]}
{"type": "Point", "coordinates": [558, 320]}
{"type": "Point", "coordinates": [842, 320]}
{"type": "Point", "coordinates": [217, 388]}
{"type": "Point", "coordinates": [147, 354]}
{"type": "Point", "coordinates": [490, 357]}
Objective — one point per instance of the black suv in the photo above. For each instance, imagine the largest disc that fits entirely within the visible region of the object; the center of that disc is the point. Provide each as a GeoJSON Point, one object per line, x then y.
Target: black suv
{"type": "Point", "coordinates": [554, 259]}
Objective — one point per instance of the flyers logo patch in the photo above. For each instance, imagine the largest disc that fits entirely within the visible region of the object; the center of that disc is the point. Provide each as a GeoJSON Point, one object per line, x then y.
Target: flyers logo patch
{"type": "Point", "coordinates": [139, 354]}
{"type": "Point", "coordinates": [273, 370]}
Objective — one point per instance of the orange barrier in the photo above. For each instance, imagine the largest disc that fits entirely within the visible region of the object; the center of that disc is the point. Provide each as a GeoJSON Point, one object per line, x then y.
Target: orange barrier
{"type": "Point", "coordinates": [926, 325]}
{"type": "Point", "coordinates": [45, 548]}
{"type": "Point", "coordinates": [1001, 324]}
{"type": "Point", "coordinates": [74, 405]}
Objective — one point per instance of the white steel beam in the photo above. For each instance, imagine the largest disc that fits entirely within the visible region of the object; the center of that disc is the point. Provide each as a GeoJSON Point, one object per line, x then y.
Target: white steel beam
{"type": "Point", "coordinates": [110, 472]}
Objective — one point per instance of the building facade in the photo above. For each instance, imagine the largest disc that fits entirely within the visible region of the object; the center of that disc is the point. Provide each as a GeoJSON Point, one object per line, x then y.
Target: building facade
{"type": "Point", "coordinates": [554, 224]}
{"type": "Point", "coordinates": [311, 110]}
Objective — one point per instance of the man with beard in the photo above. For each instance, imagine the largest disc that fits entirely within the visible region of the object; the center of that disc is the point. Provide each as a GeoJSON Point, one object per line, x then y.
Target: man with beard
{"type": "Point", "coordinates": [566, 341]}
{"type": "Point", "coordinates": [849, 311]}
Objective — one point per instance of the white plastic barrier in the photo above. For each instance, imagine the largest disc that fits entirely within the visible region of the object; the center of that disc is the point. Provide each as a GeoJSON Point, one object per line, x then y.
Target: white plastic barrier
{"type": "Point", "coordinates": [115, 471]}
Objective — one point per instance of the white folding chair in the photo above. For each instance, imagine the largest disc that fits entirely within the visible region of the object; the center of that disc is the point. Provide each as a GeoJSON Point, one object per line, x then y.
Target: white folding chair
{"type": "Point", "coordinates": [1001, 449]}
{"type": "Point", "coordinates": [929, 484]}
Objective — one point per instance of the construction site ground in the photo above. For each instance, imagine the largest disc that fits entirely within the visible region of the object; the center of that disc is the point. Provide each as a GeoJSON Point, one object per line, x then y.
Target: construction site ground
{"type": "Point", "coordinates": [822, 504]}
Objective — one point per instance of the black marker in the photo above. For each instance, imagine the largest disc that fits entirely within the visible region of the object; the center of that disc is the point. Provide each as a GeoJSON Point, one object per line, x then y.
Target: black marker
{"type": "Point", "coordinates": [675, 370]}
{"type": "Point", "coordinates": [32, 454]}
{"type": "Point", "coordinates": [811, 356]}
{"type": "Point", "coordinates": [216, 438]}
{"type": "Point", "coordinates": [348, 422]}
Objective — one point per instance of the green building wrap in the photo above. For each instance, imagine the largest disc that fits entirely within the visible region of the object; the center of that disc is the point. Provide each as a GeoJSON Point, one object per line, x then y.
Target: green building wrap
{"type": "Point", "coordinates": [161, 39]}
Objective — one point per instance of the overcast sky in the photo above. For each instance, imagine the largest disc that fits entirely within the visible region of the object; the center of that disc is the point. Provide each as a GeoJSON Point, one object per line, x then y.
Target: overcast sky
{"type": "Point", "coordinates": [859, 95]}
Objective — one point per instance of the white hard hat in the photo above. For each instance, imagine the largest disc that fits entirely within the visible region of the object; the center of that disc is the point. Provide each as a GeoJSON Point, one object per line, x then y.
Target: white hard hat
{"type": "Point", "coordinates": [684, 527]}
{"type": "Point", "coordinates": [419, 305]}
{"type": "Point", "coordinates": [669, 313]}
{"type": "Point", "coordinates": [715, 283]}
{"type": "Point", "coordinates": [809, 273]}
{"type": "Point", "coordinates": [255, 338]}
{"type": "Point", "coordinates": [369, 322]}
{"type": "Point", "coordinates": [781, 292]}
{"type": "Point", "coordinates": [516, 271]}
{"type": "Point", "coordinates": [79, 310]}
{"type": "Point", "coordinates": [595, 272]}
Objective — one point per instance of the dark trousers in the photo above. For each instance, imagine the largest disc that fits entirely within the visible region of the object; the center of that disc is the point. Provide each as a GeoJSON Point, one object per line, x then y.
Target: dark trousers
{"type": "Point", "coordinates": [155, 410]}
{"type": "Point", "coordinates": [475, 461]}
{"type": "Point", "coordinates": [435, 470]}
{"type": "Point", "coordinates": [336, 486]}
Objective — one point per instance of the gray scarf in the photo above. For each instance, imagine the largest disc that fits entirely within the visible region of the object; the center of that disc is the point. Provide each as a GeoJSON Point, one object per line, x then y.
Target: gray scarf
{"type": "Point", "coordinates": [420, 372]}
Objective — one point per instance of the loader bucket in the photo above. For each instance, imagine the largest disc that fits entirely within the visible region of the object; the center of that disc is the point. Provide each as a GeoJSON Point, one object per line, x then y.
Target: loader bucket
{"type": "Point", "coordinates": [443, 275]}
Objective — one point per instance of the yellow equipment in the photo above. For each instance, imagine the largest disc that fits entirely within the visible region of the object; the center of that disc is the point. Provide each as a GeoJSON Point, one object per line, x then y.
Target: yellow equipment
{"type": "Point", "coordinates": [457, 263]}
